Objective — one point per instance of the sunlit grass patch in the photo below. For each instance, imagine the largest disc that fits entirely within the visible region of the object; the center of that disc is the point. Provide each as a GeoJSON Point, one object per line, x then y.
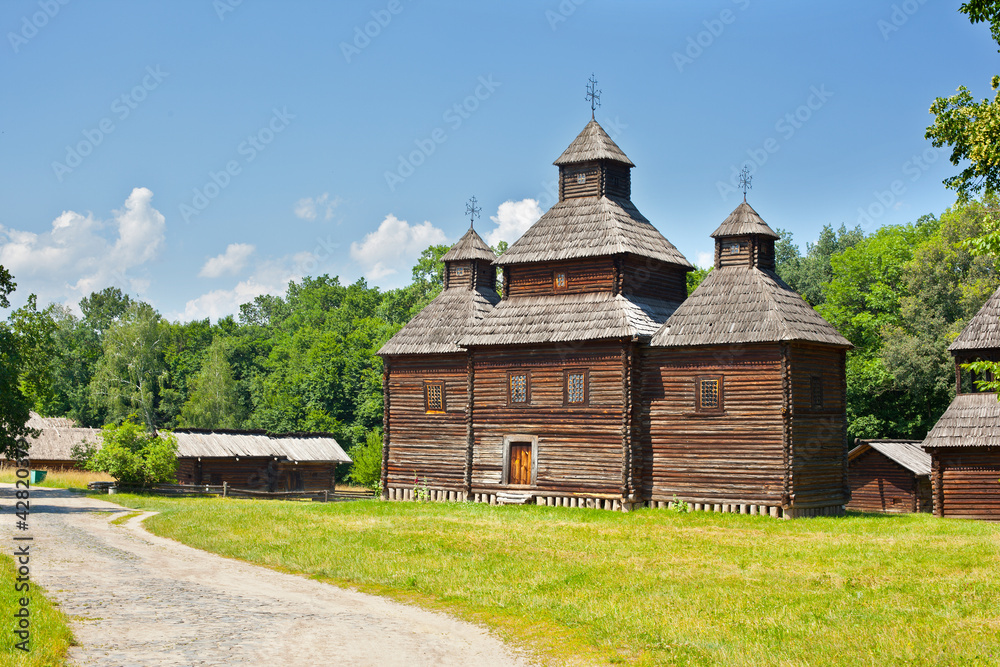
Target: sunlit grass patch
{"type": "Point", "coordinates": [648, 587]}
{"type": "Point", "coordinates": [59, 479]}
{"type": "Point", "coordinates": [50, 635]}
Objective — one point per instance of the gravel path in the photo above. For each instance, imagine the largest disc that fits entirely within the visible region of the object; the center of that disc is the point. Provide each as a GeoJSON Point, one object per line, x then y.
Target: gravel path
{"type": "Point", "coordinates": [138, 599]}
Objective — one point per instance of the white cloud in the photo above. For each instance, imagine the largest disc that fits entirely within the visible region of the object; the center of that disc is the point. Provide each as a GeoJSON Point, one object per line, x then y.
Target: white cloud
{"type": "Point", "coordinates": [513, 219]}
{"type": "Point", "coordinates": [82, 254]}
{"type": "Point", "coordinates": [269, 277]}
{"type": "Point", "coordinates": [705, 260]}
{"type": "Point", "coordinates": [396, 243]}
{"type": "Point", "coordinates": [310, 208]}
{"type": "Point", "coordinates": [232, 261]}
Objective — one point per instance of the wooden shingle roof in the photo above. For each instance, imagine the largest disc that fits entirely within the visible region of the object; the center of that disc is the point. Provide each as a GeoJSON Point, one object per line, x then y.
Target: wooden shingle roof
{"type": "Point", "coordinates": [744, 221]}
{"type": "Point", "coordinates": [742, 304]}
{"type": "Point", "coordinates": [907, 453]}
{"type": "Point", "coordinates": [568, 317]}
{"type": "Point", "coordinates": [225, 444]}
{"type": "Point", "coordinates": [983, 330]}
{"type": "Point", "coordinates": [437, 328]}
{"type": "Point", "coordinates": [591, 227]}
{"type": "Point", "coordinates": [972, 420]}
{"type": "Point", "coordinates": [470, 246]}
{"type": "Point", "coordinates": [593, 143]}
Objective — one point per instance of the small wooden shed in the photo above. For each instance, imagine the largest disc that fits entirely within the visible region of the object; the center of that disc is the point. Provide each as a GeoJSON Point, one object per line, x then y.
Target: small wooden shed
{"type": "Point", "coordinates": [965, 443]}
{"type": "Point", "coordinates": [889, 476]}
{"type": "Point", "coordinates": [257, 460]}
{"type": "Point", "coordinates": [53, 449]}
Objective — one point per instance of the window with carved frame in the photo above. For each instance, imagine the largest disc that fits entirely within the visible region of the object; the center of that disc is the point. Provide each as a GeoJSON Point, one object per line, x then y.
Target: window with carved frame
{"type": "Point", "coordinates": [518, 388]}
{"type": "Point", "coordinates": [576, 386]}
{"type": "Point", "coordinates": [434, 396]}
{"type": "Point", "coordinates": [709, 394]}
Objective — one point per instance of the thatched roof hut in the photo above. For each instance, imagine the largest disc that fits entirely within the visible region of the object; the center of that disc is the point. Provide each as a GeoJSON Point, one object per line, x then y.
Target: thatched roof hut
{"type": "Point", "coordinates": [53, 448]}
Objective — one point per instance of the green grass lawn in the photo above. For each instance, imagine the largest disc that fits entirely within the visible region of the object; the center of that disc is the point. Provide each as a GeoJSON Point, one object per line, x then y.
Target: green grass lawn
{"type": "Point", "coordinates": [50, 636]}
{"type": "Point", "coordinates": [650, 587]}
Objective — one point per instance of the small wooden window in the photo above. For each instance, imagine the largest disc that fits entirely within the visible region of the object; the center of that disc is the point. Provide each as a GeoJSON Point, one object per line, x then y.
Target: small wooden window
{"type": "Point", "coordinates": [581, 177]}
{"type": "Point", "coordinates": [816, 392]}
{"type": "Point", "coordinates": [559, 280]}
{"type": "Point", "coordinates": [575, 387]}
{"type": "Point", "coordinates": [518, 388]}
{"type": "Point", "coordinates": [732, 248]}
{"type": "Point", "coordinates": [434, 396]}
{"type": "Point", "coordinates": [708, 393]}
{"type": "Point", "coordinates": [460, 271]}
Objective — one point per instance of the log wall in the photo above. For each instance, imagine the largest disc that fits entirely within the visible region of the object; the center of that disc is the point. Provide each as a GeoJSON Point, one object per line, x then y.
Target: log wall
{"type": "Point", "coordinates": [587, 275]}
{"type": "Point", "coordinates": [579, 448]}
{"type": "Point", "coordinates": [731, 458]}
{"type": "Point", "coordinates": [426, 447]}
{"type": "Point", "coordinates": [879, 484]}
{"type": "Point", "coordinates": [257, 473]}
{"type": "Point", "coordinates": [819, 438]}
{"type": "Point", "coordinates": [967, 482]}
{"type": "Point", "coordinates": [645, 277]}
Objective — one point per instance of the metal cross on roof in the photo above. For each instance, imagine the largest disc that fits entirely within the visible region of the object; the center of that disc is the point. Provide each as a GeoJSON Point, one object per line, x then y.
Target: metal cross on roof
{"type": "Point", "coordinates": [745, 178]}
{"type": "Point", "coordinates": [593, 95]}
{"type": "Point", "coordinates": [472, 211]}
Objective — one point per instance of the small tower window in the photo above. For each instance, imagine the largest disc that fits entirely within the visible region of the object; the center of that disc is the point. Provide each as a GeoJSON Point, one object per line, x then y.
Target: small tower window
{"type": "Point", "coordinates": [732, 248]}
{"type": "Point", "coordinates": [816, 392]}
{"type": "Point", "coordinates": [581, 178]}
{"type": "Point", "coordinates": [708, 393]}
{"type": "Point", "coordinates": [559, 280]}
{"type": "Point", "coordinates": [518, 389]}
{"type": "Point", "coordinates": [460, 271]}
{"type": "Point", "coordinates": [434, 396]}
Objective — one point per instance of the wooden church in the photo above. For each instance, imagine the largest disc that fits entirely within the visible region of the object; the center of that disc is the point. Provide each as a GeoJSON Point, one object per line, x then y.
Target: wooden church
{"type": "Point", "coordinates": [965, 442]}
{"type": "Point", "coordinates": [595, 381]}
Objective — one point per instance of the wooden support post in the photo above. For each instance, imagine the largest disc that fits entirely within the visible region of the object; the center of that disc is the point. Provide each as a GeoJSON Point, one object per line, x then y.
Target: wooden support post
{"type": "Point", "coordinates": [787, 452]}
{"type": "Point", "coordinates": [225, 489]}
{"type": "Point", "coordinates": [470, 434]}
{"type": "Point", "coordinates": [386, 437]}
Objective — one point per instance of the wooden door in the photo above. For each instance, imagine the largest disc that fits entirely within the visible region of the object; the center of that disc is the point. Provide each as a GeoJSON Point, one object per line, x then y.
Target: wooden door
{"type": "Point", "coordinates": [520, 463]}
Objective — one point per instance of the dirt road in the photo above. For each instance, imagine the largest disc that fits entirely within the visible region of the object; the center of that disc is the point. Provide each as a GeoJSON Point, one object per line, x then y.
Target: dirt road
{"type": "Point", "coordinates": [138, 599]}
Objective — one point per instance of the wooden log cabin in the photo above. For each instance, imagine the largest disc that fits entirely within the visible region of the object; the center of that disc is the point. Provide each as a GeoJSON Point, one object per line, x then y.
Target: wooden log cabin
{"type": "Point", "coordinates": [590, 382]}
{"type": "Point", "coordinates": [52, 450]}
{"type": "Point", "coordinates": [258, 461]}
{"type": "Point", "coordinates": [964, 444]}
{"type": "Point", "coordinates": [889, 476]}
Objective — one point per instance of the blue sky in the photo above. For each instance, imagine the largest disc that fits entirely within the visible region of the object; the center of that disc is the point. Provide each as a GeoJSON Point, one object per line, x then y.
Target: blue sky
{"type": "Point", "coordinates": [198, 153]}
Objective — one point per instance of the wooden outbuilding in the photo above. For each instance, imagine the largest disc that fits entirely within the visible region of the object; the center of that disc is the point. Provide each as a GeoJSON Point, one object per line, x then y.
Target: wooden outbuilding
{"type": "Point", "coordinates": [889, 476]}
{"type": "Point", "coordinates": [258, 461]}
{"type": "Point", "coordinates": [52, 450]}
{"type": "Point", "coordinates": [595, 381]}
{"type": "Point", "coordinates": [965, 443]}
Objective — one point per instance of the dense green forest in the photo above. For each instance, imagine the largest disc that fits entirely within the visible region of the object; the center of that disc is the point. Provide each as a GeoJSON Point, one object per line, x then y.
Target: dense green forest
{"type": "Point", "coordinates": [306, 361]}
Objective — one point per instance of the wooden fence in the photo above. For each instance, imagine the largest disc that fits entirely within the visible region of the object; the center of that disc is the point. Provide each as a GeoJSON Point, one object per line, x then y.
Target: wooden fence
{"type": "Point", "coordinates": [226, 491]}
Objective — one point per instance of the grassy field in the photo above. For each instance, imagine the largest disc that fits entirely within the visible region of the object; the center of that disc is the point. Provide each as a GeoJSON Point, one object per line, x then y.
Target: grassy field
{"type": "Point", "coordinates": [67, 479]}
{"type": "Point", "coordinates": [50, 636]}
{"type": "Point", "coordinates": [648, 588]}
